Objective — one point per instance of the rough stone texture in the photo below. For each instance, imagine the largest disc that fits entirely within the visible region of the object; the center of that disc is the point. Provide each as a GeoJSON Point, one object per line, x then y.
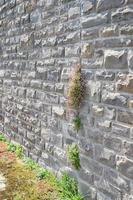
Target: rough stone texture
{"type": "Point", "coordinates": [40, 43]}
{"type": "Point", "coordinates": [115, 59]}
{"type": "Point", "coordinates": [126, 85]}
{"type": "Point", "coordinates": [107, 4]}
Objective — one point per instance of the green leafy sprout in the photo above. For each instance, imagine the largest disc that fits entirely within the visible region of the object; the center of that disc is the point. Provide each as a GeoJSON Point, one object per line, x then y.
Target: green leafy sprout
{"type": "Point", "coordinates": [15, 148]}
{"type": "Point", "coordinates": [77, 123]}
{"type": "Point", "coordinates": [73, 155]}
{"type": "Point", "coordinates": [2, 138]}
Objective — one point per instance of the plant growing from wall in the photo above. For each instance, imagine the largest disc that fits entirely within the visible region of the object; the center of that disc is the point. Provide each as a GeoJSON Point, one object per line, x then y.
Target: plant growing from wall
{"type": "Point", "coordinates": [76, 90]}
{"type": "Point", "coordinates": [77, 123]}
{"type": "Point", "coordinates": [73, 155]}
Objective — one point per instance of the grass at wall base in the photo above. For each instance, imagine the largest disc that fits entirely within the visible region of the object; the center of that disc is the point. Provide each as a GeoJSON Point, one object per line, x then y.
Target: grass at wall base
{"type": "Point", "coordinates": [26, 180]}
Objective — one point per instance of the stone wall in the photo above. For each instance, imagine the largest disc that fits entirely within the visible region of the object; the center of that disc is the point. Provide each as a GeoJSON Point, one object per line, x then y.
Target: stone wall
{"type": "Point", "coordinates": [40, 43]}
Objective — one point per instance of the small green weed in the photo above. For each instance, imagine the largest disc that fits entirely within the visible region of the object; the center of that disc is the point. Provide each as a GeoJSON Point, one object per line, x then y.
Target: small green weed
{"type": "Point", "coordinates": [73, 155]}
{"type": "Point", "coordinates": [77, 123]}
{"type": "Point", "coordinates": [15, 148]}
{"type": "Point", "coordinates": [2, 138]}
{"type": "Point", "coordinates": [30, 164]}
{"type": "Point", "coordinates": [42, 173]}
{"type": "Point", "coordinates": [17, 197]}
{"type": "Point", "coordinates": [69, 188]}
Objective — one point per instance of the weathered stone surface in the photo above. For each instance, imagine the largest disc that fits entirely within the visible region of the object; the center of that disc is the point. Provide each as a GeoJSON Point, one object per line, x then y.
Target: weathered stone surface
{"type": "Point", "coordinates": [126, 85]}
{"type": "Point", "coordinates": [104, 125]}
{"type": "Point", "coordinates": [65, 74]}
{"type": "Point", "coordinates": [113, 143]}
{"type": "Point", "coordinates": [58, 111]}
{"type": "Point", "coordinates": [90, 33]}
{"type": "Point", "coordinates": [126, 30]}
{"type": "Point", "coordinates": [35, 16]}
{"type": "Point", "coordinates": [125, 13]}
{"type": "Point", "coordinates": [86, 148]}
{"type": "Point", "coordinates": [60, 154]}
{"type": "Point", "coordinates": [125, 117]}
{"type": "Point", "coordinates": [94, 90]}
{"type": "Point", "coordinates": [101, 196]}
{"type": "Point", "coordinates": [114, 99]}
{"type": "Point", "coordinates": [59, 87]}
{"type": "Point", "coordinates": [48, 87]}
{"type": "Point", "coordinates": [120, 130]}
{"type": "Point", "coordinates": [98, 111]}
{"type": "Point", "coordinates": [94, 20]}
{"type": "Point", "coordinates": [109, 113]}
{"type": "Point", "coordinates": [87, 7]}
{"type": "Point", "coordinates": [130, 103]}
{"type": "Point", "coordinates": [126, 196]}
{"type": "Point", "coordinates": [129, 1]}
{"type": "Point", "coordinates": [109, 31]}
{"type": "Point", "coordinates": [87, 50]}
{"type": "Point", "coordinates": [125, 166]}
{"type": "Point", "coordinates": [107, 4]}
{"type": "Point", "coordinates": [91, 165]}
{"type": "Point", "coordinates": [86, 176]}
{"type": "Point", "coordinates": [110, 191]}
{"type": "Point", "coordinates": [130, 60]}
{"type": "Point", "coordinates": [53, 75]}
{"type": "Point", "coordinates": [104, 75]}
{"type": "Point", "coordinates": [74, 12]}
{"type": "Point", "coordinates": [69, 51]}
{"type": "Point", "coordinates": [115, 59]}
{"type": "Point", "coordinates": [128, 149]}
{"type": "Point", "coordinates": [2, 2]}
{"type": "Point", "coordinates": [105, 156]}
{"type": "Point", "coordinates": [116, 180]}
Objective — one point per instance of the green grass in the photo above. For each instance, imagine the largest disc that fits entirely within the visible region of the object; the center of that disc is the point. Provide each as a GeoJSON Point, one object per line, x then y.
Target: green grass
{"type": "Point", "coordinates": [2, 138]}
{"type": "Point", "coordinates": [15, 148]}
{"type": "Point", "coordinates": [29, 173]}
{"type": "Point", "coordinates": [69, 189]}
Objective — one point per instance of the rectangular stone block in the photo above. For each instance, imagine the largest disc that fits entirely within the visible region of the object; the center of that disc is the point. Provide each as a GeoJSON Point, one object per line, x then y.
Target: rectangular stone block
{"type": "Point", "coordinates": [114, 99]}
{"type": "Point", "coordinates": [121, 130]}
{"type": "Point", "coordinates": [115, 59]}
{"type": "Point", "coordinates": [107, 4]}
{"type": "Point", "coordinates": [125, 166]}
{"type": "Point", "coordinates": [120, 14]}
{"type": "Point", "coordinates": [113, 143]}
{"type": "Point", "coordinates": [125, 117]}
{"type": "Point", "coordinates": [91, 165]}
{"type": "Point", "coordinates": [125, 84]}
{"type": "Point", "coordinates": [105, 156]}
{"type": "Point", "coordinates": [94, 20]}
